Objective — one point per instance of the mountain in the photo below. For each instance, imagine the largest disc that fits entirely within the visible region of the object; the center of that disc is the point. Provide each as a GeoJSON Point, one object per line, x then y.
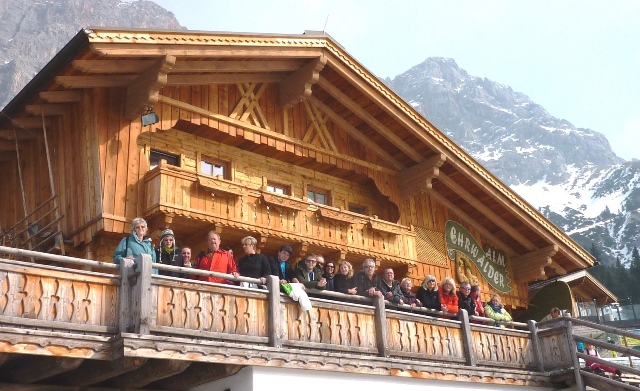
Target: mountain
{"type": "Point", "coordinates": [32, 32]}
{"type": "Point", "coordinates": [570, 174]}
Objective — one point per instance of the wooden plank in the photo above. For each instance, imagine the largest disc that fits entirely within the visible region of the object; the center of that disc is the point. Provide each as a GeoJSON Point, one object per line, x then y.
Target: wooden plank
{"type": "Point", "coordinates": [61, 96]}
{"type": "Point", "coordinates": [237, 66]}
{"type": "Point", "coordinates": [94, 81]}
{"type": "Point", "coordinates": [222, 78]}
{"type": "Point", "coordinates": [48, 109]}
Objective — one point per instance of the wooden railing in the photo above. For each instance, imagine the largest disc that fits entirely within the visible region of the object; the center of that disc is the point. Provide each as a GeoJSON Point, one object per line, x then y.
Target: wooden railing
{"type": "Point", "coordinates": [228, 204]}
{"type": "Point", "coordinates": [128, 298]}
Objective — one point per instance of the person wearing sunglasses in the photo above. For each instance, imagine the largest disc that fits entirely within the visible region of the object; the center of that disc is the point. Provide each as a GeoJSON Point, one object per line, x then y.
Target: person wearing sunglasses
{"type": "Point", "coordinates": [428, 294]}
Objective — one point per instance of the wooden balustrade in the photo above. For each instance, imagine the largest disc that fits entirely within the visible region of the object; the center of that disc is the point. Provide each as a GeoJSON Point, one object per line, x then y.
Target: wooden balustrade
{"type": "Point", "coordinates": [82, 301]}
{"type": "Point", "coordinates": [184, 193]}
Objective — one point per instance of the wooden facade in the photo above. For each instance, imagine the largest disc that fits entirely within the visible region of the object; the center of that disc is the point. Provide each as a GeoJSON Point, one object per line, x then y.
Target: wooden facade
{"type": "Point", "coordinates": [297, 112]}
{"type": "Point", "coordinates": [290, 112]}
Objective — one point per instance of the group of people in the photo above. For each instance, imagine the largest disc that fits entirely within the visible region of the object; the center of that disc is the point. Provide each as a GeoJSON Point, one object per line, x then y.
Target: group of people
{"type": "Point", "coordinates": [312, 272]}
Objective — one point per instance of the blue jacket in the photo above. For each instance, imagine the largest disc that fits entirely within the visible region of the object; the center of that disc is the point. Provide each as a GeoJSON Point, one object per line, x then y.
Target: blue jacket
{"type": "Point", "coordinates": [132, 246]}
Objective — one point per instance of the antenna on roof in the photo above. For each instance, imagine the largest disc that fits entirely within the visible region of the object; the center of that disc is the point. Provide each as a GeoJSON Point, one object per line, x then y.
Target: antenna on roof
{"type": "Point", "coordinates": [324, 29]}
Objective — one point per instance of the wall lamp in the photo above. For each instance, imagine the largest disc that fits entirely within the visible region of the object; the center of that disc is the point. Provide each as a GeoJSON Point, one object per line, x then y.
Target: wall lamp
{"type": "Point", "coordinates": [150, 117]}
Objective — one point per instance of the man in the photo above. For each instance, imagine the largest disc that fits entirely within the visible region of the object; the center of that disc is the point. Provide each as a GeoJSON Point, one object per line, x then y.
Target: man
{"type": "Point", "coordinates": [186, 257]}
{"type": "Point", "coordinates": [217, 260]}
{"type": "Point", "coordinates": [390, 288]}
{"type": "Point", "coordinates": [554, 313]}
{"type": "Point", "coordinates": [280, 267]}
{"type": "Point", "coordinates": [366, 281]}
{"type": "Point", "coordinates": [309, 276]}
{"type": "Point", "coordinates": [465, 300]}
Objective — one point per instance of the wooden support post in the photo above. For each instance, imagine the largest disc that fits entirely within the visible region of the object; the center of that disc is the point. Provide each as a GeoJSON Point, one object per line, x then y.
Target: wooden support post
{"type": "Point", "coordinates": [465, 329]}
{"type": "Point", "coordinates": [535, 345]}
{"type": "Point", "coordinates": [143, 298]}
{"type": "Point", "coordinates": [574, 357]}
{"type": "Point", "coordinates": [125, 297]}
{"type": "Point", "coordinates": [275, 312]}
{"type": "Point", "coordinates": [381, 327]}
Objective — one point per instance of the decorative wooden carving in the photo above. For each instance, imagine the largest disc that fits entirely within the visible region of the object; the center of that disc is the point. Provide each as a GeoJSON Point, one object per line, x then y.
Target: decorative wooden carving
{"type": "Point", "coordinates": [227, 187]}
{"type": "Point", "coordinates": [143, 92]}
{"type": "Point", "coordinates": [502, 347]}
{"type": "Point", "coordinates": [339, 215]}
{"type": "Point", "coordinates": [385, 226]}
{"type": "Point", "coordinates": [298, 85]}
{"type": "Point", "coordinates": [278, 200]}
{"type": "Point", "coordinates": [417, 178]}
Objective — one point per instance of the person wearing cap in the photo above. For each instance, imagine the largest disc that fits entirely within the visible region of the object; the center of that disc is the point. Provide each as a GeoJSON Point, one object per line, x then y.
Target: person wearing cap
{"type": "Point", "coordinates": [281, 267]}
{"type": "Point", "coordinates": [168, 253]}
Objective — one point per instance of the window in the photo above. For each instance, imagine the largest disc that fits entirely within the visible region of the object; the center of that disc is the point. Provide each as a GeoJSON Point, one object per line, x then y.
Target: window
{"type": "Point", "coordinates": [357, 209]}
{"type": "Point", "coordinates": [214, 167]}
{"type": "Point", "coordinates": [278, 188]}
{"type": "Point", "coordinates": [319, 196]}
{"type": "Point", "coordinates": [155, 157]}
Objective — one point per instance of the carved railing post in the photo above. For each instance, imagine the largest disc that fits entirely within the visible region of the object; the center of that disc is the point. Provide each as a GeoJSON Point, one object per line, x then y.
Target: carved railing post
{"type": "Point", "coordinates": [573, 351]}
{"type": "Point", "coordinates": [381, 327]}
{"type": "Point", "coordinates": [465, 329]}
{"type": "Point", "coordinates": [141, 305]}
{"type": "Point", "coordinates": [535, 345]}
{"type": "Point", "coordinates": [124, 304]}
{"type": "Point", "coordinates": [275, 312]}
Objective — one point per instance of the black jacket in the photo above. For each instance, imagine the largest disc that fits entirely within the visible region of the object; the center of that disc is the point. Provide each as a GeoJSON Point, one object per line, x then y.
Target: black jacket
{"type": "Point", "coordinates": [466, 304]}
{"type": "Point", "coordinates": [429, 299]}
{"type": "Point", "coordinates": [174, 259]}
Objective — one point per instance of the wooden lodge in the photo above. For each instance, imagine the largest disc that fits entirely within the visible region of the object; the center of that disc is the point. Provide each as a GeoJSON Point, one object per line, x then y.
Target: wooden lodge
{"type": "Point", "coordinates": [286, 138]}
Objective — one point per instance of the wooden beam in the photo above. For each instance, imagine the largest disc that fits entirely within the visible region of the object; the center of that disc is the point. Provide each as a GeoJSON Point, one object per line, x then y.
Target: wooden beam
{"type": "Point", "coordinates": [96, 371]}
{"type": "Point", "coordinates": [370, 120]}
{"type": "Point", "coordinates": [112, 66]}
{"type": "Point", "coordinates": [297, 86]}
{"type": "Point", "coordinates": [153, 370]}
{"type": "Point", "coordinates": [47, 109]}
{"type": "Point", "coordinates": [482, 208]}
{"type": "Point", "coordinates": [356, 134]}
{"type": "Point", "coordinates": [31, 369]}
{"type": "Point", "coordinates": [223, 78]}
{"type": "Point", "coordinates": [198, 373]}
{"type": "Point", "coordinates": [140, 50]}
{"type": "Point", "coordinates": [237, 66]}
{"type": "Point", "coordinates": [545, 252]}
{"type": "Point", "coordinates": [30, 122]}
{"type": "Point", "coordinates": [484, 232]}
{"type": "Point", "coordinates": [7, 146]}
{"type": "Point", "coordinates": [94, 81]}
{"type": "Point", "coordinates": [143, 92]}
{"type": "Point", "coordinates": [417, 178]}
{"type": "Point", "coordinates": [10, 134]}
{"type": "Point", "coordinates": [61, 97]}
{"type": "Point", "coordinates": [7, 156]}
{"type": "Point", "coordinates": [266, 132]}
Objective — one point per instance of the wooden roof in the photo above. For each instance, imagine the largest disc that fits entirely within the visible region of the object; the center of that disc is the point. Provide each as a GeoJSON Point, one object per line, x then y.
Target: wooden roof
{"type": "Point", "coordinates": [310, 66]}
{"type": "Point", "coordinates": [583, 284]}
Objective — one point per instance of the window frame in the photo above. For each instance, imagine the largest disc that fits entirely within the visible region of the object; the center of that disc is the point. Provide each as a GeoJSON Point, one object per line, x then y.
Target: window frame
{"type": "Point", "coordinates": [163, 155]}
{"type": "Point", "coordinates": [213, 161]}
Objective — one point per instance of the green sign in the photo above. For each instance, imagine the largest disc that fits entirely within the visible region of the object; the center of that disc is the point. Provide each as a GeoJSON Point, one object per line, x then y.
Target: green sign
{"type": "Point", "coordinates": [490, 263]}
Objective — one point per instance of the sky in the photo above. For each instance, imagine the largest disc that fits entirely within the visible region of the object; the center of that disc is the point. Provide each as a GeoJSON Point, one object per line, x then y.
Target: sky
{"type": "Point", "coordinates": [579, 59]}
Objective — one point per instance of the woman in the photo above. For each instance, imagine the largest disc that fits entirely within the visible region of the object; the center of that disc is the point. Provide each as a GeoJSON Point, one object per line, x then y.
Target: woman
{"type": "Point", "coordinates": [595, 366]}
{"type": "Point", "coordinates": [495, 310]}
{"type": "Point", "coordinates": [343, 281]}
{"type": "Point", "coordinates": [448, 296]}
{"type": "Point", "coordinates": [168, 254]}
{"type": "Point", "coordinates": [252, 264]}
{"type": "Point", "coordinates": [132, 246]}
{"type": "Point", "coordinates": [428, 294]}
{"type": "Point", "coordinates": [408, 297]}
{"type": "Point", "coordinates": [475, 294]}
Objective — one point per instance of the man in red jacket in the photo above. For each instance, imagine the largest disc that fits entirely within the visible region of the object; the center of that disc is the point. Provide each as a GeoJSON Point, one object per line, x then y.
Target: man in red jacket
{"type": "Point", "coordinates": [217, 260]}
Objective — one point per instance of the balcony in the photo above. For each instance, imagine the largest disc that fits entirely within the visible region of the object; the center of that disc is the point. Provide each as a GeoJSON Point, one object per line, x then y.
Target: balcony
{"type": "Point", "coordinates": [233, 207]}
{"type": "Point", "coordinates": [71, 319]}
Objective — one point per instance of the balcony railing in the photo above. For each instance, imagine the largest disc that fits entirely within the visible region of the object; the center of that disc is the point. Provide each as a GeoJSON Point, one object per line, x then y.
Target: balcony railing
{"type": "Point", "coordinates": [153, 312]}
{"type": "Point", "coordinates": [226, 203]}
